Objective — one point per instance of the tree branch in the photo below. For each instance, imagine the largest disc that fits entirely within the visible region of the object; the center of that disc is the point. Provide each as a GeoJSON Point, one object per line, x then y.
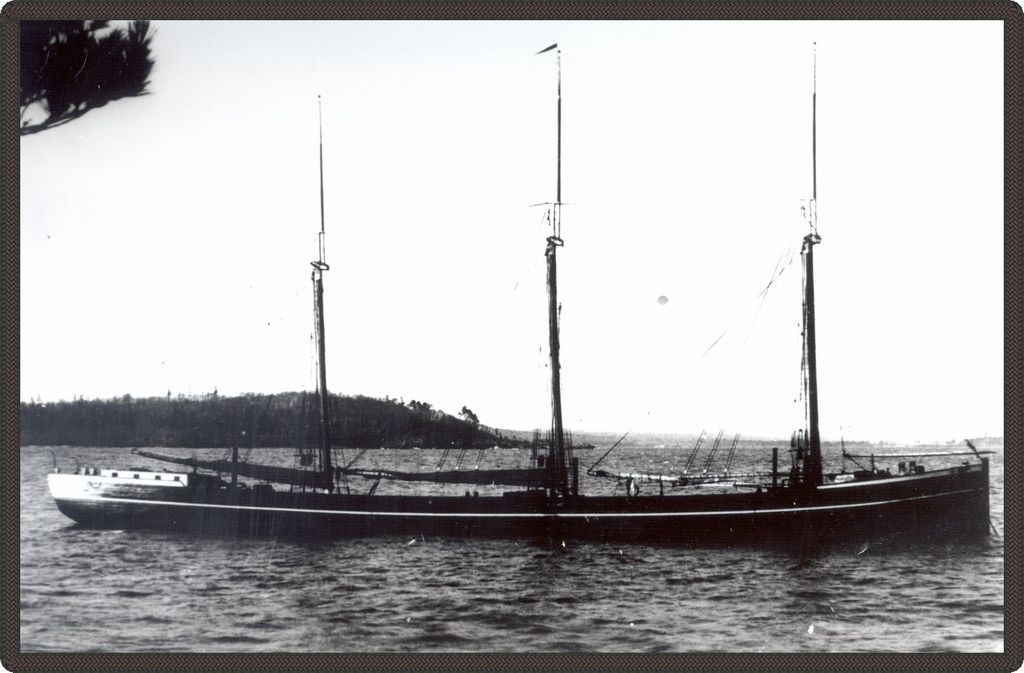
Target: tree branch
{"type": "Point", "coordinates": [54, 122]}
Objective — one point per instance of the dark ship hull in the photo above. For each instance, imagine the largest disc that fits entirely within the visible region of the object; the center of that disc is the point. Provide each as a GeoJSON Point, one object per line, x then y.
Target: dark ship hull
{"type": "Point", "coordinates": [949, 502]}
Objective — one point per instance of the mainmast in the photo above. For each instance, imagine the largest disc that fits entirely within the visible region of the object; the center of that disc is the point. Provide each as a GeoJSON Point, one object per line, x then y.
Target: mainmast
{"type": "Point", "coordinates": [556, 456]}
{"type": "Point", "coordinates": [812, 465]}
{"type": "Point", "coordinates": [319, 266]}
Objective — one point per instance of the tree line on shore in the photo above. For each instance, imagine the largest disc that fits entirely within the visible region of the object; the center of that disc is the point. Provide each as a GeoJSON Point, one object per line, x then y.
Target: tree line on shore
{"type": "Point", "coordinates": [289, 419]}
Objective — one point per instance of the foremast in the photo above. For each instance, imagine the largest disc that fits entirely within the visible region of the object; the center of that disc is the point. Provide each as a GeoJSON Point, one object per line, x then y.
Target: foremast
{"type": "Point", "coordinates": [557, 459]}
{"type": "Point", "coordinates": [319, 266]}
{"type": "Point", "coordinates": [812, 464]}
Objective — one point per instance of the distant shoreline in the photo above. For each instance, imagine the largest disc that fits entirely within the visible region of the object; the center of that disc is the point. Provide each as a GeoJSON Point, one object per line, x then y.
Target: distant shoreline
{"type": "Point", "coordinates": [281, 420]}
{"type": "Point", "coordinates": [290, 420]}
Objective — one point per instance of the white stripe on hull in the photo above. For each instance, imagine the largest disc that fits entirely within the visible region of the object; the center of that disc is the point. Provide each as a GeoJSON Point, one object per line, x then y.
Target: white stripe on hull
{"type": "Point", "coordinates": [513, 515]}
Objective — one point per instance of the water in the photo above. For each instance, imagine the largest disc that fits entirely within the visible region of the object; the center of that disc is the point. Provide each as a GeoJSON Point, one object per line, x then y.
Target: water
{"type": "Point", "coordinates": [122, 591]}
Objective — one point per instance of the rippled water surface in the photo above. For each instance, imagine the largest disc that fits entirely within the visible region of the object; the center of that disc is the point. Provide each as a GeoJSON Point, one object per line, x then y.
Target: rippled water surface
{"type": "Point", "coordinates": [84, 590]}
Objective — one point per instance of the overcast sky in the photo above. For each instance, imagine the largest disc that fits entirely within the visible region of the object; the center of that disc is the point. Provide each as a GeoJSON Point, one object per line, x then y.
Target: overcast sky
{"type": "Point", "coordinates": [166, 240]}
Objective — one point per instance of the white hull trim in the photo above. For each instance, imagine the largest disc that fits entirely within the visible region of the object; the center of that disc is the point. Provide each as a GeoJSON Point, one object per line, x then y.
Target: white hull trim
{"type": "Point", "coordinates": [519, 515]}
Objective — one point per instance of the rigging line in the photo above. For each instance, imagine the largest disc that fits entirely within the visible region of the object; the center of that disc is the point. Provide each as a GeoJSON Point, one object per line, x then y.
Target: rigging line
{"type": "Point", "coordinates": [714, 450]}
{"type": "Point", "coordinates": [605, 455]}
{"type": "Point", "coordinates": [715, 343]}
{"type": "Point", "coordinates": [444, 457]}
{"type": "Point", "coordinates": [777, 273]}
{"type": "Point", "coordinates": [693, 453]}
{"type": "Point", "coordinates": [854, 461]}
{"type": "Point", "coordinates": [529, 272]}
{"type": "Point", "coordinates": [344, 480]}
{"type": "Point", "coordinates": [779, 269]}
{"type": "Point", "coordinates": [847, 456]}
{"type": "Point", "coordinates": [764, 293]}
{"type": "Point", "coordinates": [358, 456]}
{"type": "Point", "coordinates": [805, 363]}
{"type": "Point", "coordinates": [774, 274]}
{"type": "Point", "coordinates": [732, 453]}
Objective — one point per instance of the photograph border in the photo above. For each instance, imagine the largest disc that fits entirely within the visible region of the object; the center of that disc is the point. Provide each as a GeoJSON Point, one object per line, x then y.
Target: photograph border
{"type": "Point", "coordinates": [1005, 11]}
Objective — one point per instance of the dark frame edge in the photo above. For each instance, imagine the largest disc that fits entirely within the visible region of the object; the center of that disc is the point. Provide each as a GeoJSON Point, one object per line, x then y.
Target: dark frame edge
{"type": "Point", "coordinates": [1013, 332]}
{"type": "Point", "coordinates": [742, 10]}
{"type": "Point", "coordinates": [1010, 13]}
{"type": "Point", "coordinates": [10, 347]}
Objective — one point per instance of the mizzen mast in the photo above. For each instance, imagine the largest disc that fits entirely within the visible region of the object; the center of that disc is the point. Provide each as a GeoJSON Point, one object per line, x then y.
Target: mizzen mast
{"type": "Point", "coordinates": [319, 266]}
{"type": "Point", "coordinates": [812, 464]}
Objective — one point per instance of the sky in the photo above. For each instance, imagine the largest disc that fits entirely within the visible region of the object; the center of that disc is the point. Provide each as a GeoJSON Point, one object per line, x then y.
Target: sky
{"type": "Point", "coordinates": [166, 240]}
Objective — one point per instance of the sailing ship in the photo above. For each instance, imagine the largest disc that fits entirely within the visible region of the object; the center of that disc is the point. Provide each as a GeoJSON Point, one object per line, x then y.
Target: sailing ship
{"type": "Point", "coordinates": [794, 505]}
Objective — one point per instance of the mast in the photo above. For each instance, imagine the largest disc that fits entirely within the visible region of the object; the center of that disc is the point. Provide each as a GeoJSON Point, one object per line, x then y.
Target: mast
{"type": "Point", "coordinates": [812, 466]}
{"type": "Point", "coordinates": [557, 457]}
{"type": "Point", "coordinates": [319, 266]}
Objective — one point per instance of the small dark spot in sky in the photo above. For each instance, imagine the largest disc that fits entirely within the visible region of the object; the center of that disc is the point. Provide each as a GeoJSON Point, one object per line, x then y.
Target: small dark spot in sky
{"type": "Point", "coordinates": [662, 300]}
